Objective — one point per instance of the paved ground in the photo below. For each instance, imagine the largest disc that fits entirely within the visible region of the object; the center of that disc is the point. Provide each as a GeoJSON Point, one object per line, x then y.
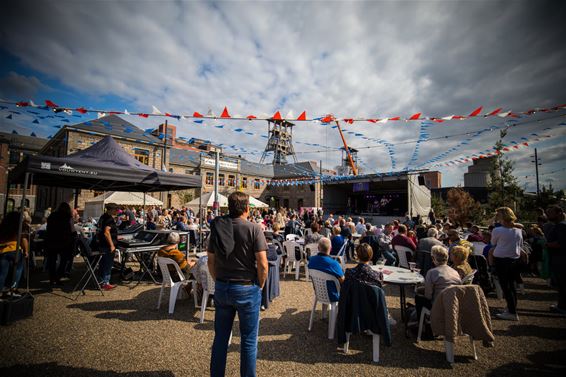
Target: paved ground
{"type": "Point", "coordinates": [123, 334]}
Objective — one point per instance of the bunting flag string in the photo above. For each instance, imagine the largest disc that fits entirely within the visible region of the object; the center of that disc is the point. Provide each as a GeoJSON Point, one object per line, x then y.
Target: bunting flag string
{"type": "Point", "coordinates": [477, 113]}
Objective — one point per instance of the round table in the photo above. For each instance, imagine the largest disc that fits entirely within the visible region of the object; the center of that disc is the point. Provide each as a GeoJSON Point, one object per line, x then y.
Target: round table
{"type": "Point", "coordinates": [401, 277]}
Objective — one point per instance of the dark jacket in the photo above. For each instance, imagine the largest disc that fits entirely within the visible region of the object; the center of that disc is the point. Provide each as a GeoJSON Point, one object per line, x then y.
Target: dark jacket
{"type": "Point", "coordinates": [362, 307]}
{"type": "Point", "coordinates": [60, 234]}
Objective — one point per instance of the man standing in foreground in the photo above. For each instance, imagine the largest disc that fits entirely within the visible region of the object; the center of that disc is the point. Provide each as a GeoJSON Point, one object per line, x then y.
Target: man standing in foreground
{"type": "Point", "coordinates": [236, 246]}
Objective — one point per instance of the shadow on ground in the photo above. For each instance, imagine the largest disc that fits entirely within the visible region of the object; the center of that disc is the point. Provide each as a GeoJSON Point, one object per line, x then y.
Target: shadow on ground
{"type": "Point", "coordinates": [54, 369]}
{"type": "Point", "coordinates": [543, 364]}
{"type": "Point", "coordinates": [143, 307]}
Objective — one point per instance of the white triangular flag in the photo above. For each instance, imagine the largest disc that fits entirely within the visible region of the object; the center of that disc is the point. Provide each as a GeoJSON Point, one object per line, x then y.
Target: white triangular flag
{"type": "Point", "coordinates": [32, 104]}
{"type": "Point", "coordinates": [155, 110]}
{"type": "Point", "coordinates": [126, 112]}
{"type": "Point", "coordinates": [101, 114]}
{"type": "Point", "coordinates": [290, 115]}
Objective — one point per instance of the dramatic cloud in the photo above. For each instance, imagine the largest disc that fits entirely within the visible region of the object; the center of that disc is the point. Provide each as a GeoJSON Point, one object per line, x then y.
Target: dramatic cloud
{"type": "Point", "coordinates": [349, 58]}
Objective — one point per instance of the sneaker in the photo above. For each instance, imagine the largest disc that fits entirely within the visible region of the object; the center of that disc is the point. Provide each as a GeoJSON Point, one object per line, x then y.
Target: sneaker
{"type": "Point", "coordinates": [507, 316]}
{"type": "Point", "coordinates": [107, 287]}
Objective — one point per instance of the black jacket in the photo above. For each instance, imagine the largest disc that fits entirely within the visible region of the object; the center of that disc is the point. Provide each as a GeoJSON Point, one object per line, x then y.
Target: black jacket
{"type": "Point", "coordinates": [362, 307]}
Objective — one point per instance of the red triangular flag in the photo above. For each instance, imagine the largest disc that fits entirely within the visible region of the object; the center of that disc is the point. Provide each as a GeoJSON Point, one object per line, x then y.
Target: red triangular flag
{"type": "Point", "coordinates": [225, 113]}
{"type": "Point", "coordinates": [251, 117]}
{"type": "Point", "coordinates": [81, 110]}
{"type": "Point", "coordinates": [50, 104]}
{"type": "Point", "coordinates": [276, 116]}
{"type": "Point", "coordinates": [326, 119]}
{"type": "Point", "coordinates": [494, 112]}
{"type": "Point", "coordinates": [458, 117]}
{"type": "Point", "coordinates": [197, 115]}
{"type": "Point", "coordinates": [372, 120]}
{"type": "Point", "coordinates": [476, 111]}
{"type": "Point", "coordinates": [303, 116]}
{"type": "Point", "coordinates": [22, 104]}
{"type": "Point", "coordinates": [144, 115]}
{"type": "Point", "coordinates": [526, 144]}
{"type": "Point", "coordinates": [415, 116]}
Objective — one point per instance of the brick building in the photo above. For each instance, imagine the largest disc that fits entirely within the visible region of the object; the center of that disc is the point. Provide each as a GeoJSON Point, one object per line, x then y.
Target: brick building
{"type": "Point", "coordinates": [13, 149]}
{"type": "Point", "coordinates": [193, 156]}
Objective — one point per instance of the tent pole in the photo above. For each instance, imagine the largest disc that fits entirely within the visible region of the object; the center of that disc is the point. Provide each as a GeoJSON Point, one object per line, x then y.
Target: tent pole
{"type": "Point", "coordinates": [20, 224]}
{"type": "Point", "coordinates": [200, 218]}
{"type": "Point", "coordinates": [216, 205]}
{"type": "Point", "coordinates": [144, 214]}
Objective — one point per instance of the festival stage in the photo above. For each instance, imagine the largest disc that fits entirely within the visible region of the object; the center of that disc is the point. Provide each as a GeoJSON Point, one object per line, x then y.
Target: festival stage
{"type": "Point", "coordinates": [379, 199]}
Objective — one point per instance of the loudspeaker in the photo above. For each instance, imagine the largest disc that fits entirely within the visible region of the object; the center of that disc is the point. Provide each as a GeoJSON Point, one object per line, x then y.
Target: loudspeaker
{"type": "Point", "coordinates": [421, 180]}
{"type": "Point", "coordinates": [312, 187]}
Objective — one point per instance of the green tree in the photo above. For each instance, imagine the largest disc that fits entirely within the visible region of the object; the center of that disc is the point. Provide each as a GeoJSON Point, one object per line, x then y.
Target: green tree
{"type": "Point", "coordinates": [504, 191]}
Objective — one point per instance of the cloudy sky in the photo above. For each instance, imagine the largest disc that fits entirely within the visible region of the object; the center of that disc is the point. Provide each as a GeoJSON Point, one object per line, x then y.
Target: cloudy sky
{"type": "Point", "coordinates": [351, 59]}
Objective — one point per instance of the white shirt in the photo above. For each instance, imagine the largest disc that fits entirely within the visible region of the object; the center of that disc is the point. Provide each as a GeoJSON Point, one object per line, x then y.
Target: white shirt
{"type": "Point", "coordinates": [360, 228]}
{"type": "Point", "coordinates": [507, 242]}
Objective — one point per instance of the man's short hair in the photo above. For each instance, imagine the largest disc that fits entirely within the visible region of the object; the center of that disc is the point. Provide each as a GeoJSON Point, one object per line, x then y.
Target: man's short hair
{"type": "Point", "coordinates": [315, 227]}
{"type": "Point", "coordinates": [364, 252]}
{"type": "Point", "coordinates": [402, 229]}
{"type": "Point", "coordinates": [111, 206]}
{"type": "Point", "coordinates": [238, 203]}
{"type": "Point", "coordinates": [324, 245]}
{"type": "Point", "coordinates": [432, 232]}
{"type": "Point", "coordinates": [173, 238]}
{"type": "Point", "coordinates": [336, 230]}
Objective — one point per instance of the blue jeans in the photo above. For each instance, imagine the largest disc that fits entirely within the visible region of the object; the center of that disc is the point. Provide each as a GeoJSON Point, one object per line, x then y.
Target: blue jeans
{"type": "Point", "coordinates": [229, 299]}
{"type": "Point", "coordinates": [6, 264]}
{"type": "Point", "coordinates": [390, 259]}
{"type": "Point", "coordinates": [105, 266]}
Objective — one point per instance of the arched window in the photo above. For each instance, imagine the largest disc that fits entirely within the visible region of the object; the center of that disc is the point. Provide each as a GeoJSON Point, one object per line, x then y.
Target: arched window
{"type": "Point", "coordinates": [10, 205]}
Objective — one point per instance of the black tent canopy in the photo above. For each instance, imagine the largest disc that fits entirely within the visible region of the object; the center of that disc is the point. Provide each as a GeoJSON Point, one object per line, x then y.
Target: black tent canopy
{"type": "Point", "coordinates": [104, 166]}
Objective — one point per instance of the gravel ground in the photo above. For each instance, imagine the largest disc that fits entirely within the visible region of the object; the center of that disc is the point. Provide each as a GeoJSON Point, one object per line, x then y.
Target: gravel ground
{"type": "Point", "coordinates": [123, 334]}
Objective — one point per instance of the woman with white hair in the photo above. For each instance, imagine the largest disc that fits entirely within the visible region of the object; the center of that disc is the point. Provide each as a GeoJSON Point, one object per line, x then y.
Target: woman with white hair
{"type": "Point", "coordinates": [437, 279]}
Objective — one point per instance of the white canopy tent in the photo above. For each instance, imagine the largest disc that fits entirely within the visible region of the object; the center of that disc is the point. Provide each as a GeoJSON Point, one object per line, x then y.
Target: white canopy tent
{"type": "Point", "coordinates": [207, 200]}
{"type": "Point", "coordinates": [95, 207]}
{"type": "Point", "coordinates": [255, 203]}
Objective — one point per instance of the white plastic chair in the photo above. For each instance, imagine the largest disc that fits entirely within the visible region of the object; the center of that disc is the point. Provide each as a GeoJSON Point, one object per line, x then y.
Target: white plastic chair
{"type": "Point", "coordinates": [311, 249]}
{"type": "Point", "coordinates": [292, 261]}
{"type": "Point", "coordinates": [292, 237]}
{"type": "Point", "coordinates": [319, 280]}
{"type": "Point", "coordinates": [468, 279]}
{"type": "Point", "coordinates": [209, 290]}
{"type": "Point", "coordinates": [168, 282]}
{"type": "Point", "coordinates": [308, 231]}
{"type": "Point", "coordinates": [375, 340]}
{"type": "Point", "coordinates": [341, 255]}
{"type": "Point", "coordinates": [448, 346]}
{"type": "Point", "coordinates": [402, 254]}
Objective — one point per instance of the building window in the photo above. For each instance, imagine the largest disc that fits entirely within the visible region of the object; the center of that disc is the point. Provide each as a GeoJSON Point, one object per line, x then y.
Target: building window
{"type": "Point", "coordinates": [232, 180]}
{"type": "Point", "coordinates": [245, 182]}
{"type": "Point", "coordinates": [221, 181]}
{"type": "Point", "coordinates": [10, 205]}
{"type": "Point", "coordinates": [142, 155]}
{"type": "Point", "coordinates": [209, 179]}
{"type": "Point", "coordinates": [14, 157]}
{"type": "Point", "coordinates": [257, 185]}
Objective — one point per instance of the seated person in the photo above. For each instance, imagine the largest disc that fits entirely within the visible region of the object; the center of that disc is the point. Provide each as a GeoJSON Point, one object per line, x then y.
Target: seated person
{"type": "Point", "coordinates": [172, 252]}
{"type": "Point", "coordinates": [315, 236]}
{"type": "Point", "coordinates": [182, 224]}
{"type": "Point", "coordinates": [401, 239]}
{"type": "Point", "coordinates": [277, 233]}
{"type": "Point", "coordinates": [437, 279]}
{"type": "Point", "coordinates": [326, 230]}
{"type": "Point", "coordinates": [459, 258]}
{"type": "Point", "coordinates": [426, 244]}
{"type": "Point", "coordinates": [363, 272]}
{"type": "Point", "coordinates": [475, 234]}
{"type": "Point", "coordinates": [337, 240]}
{"type": "Point", "coordinates": [324, 263]}
{"type": "Point", "coordinates": [455, 240]}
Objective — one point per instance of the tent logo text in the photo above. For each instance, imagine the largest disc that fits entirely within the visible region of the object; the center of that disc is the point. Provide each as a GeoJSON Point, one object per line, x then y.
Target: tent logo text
{"type": "Point", "coordinates": [69, 169]}
{"type": "Point", "coordinates": [46, 165]}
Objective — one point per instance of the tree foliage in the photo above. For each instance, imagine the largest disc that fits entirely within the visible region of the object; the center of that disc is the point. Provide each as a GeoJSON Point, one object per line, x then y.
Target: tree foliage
{"type": "Point", "coordinates": [504, 191]}
{"type": "Point", "coordinates": [462, 208]}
